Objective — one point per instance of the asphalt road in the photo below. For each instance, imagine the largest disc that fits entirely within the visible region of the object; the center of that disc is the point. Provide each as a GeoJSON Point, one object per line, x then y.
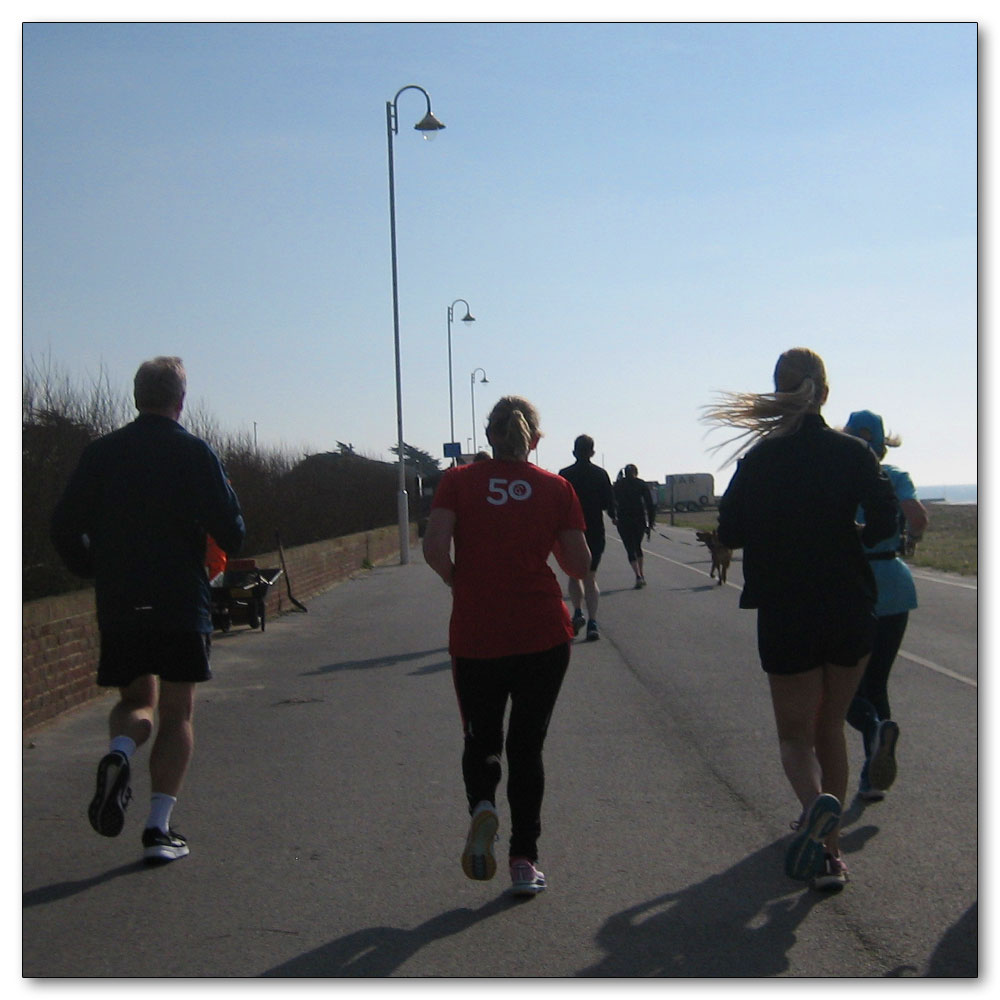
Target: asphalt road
{"type": "Point", "coordinates": [326, 816]}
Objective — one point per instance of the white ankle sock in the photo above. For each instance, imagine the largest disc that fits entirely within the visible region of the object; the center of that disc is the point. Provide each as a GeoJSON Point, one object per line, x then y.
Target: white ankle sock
{"type": "Point", "coordinates": [123, 744]}
{"type": "Point", "coordinates": [160, 807]}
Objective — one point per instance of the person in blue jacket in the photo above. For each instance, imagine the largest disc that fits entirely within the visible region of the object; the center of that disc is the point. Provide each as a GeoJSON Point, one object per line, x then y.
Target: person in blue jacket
{"type": "Point", "coordinates": [135, 516]}
{"type": "Point", "coordinates": [791, 507]}
{"type": "Point", "coordinates": [870, 713]}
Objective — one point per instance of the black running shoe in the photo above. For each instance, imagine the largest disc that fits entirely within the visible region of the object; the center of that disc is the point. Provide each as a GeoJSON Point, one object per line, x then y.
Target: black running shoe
{"type": "Point", "coordinates": [107, 808]}
{"type": "Point", "coordinates": [578, 621]}
{"type": "Point", "coordinates": [882, 763]}
{"type": "Point", "coordinates": [161, 847]}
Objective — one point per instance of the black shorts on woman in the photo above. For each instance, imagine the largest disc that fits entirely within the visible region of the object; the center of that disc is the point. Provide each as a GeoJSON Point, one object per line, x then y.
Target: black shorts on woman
{"type": "Point", "coordinates": [793, 639]}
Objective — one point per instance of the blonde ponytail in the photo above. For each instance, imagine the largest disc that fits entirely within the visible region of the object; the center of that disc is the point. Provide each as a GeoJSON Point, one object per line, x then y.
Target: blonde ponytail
{"type": "Point", "coordinates": [800, 388]}
{"type": "Point", "coordinates": [512, 428]}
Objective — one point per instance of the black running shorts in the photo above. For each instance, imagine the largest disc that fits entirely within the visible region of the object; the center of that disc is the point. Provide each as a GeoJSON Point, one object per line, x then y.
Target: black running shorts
{"type": "Point", "coordinates": [173, 656]}
{"type": "Point", "coordinates": [792, 641]}
{"type": "Point", "coordinates": [596, 540]}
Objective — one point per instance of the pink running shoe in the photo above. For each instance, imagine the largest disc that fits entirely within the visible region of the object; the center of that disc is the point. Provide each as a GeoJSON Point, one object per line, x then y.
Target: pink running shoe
{"type": "Point", "coordinates": [525, 878]}
{"type": "Point", "coordinates": [833, 874]}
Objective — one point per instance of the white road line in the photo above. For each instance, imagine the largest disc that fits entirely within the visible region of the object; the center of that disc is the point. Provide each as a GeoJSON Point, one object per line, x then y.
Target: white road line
{"type": "Point", "coordinates": [947, 583]}
{"type": "Point", "coordinates": [694, 569]}
{"type": "Point", "coordinates": [937, 668]}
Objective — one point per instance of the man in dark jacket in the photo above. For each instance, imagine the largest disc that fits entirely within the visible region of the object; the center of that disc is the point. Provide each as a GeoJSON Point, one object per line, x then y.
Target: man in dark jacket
{"type": "Point", "coordinates": [135, 516]}
{"type": "Point", "coordinates": [593, 488]}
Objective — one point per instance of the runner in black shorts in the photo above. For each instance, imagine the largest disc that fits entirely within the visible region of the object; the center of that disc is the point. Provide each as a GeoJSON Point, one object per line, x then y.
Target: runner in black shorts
{"type": "Point", "coordinates": [593, 488]}
{"type": "Point", "coordinates": [791, 507]}
{"type": "Point", "coordinates": [135, 516]}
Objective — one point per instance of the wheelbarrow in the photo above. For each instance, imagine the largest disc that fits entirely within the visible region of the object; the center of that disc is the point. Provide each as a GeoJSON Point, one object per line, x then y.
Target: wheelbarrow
{"type": "Point", "coordinates": [241, 595]}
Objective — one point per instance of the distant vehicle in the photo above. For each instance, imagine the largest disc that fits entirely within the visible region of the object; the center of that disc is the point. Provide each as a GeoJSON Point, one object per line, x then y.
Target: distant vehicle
{"type": "Point", "coordinates": [690, 491]}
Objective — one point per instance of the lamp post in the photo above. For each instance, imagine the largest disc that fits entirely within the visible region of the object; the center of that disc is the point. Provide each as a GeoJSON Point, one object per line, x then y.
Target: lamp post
{"type": "Point", "coordinates": [428, 125]}
{"type": "Point", "coordinates": [467, 318]}
{"type": "Point", "coordinates": [473, 390]}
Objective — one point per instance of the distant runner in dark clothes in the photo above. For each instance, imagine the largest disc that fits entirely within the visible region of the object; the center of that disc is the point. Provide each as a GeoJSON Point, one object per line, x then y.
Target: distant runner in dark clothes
{"type": "Point", "coordinates": [593, 487]}
{"type": "Point", "coordinates": [636, 517]}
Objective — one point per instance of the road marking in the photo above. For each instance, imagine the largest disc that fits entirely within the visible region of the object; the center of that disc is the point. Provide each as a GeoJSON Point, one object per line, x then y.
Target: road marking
{"type": "Point", "coordinates": [972, 682]}
{"type": "Point", "coordinates": [937, 668]}
{"type": "Point", "coordinates": [947, 583]}
{"type": "Point", "coordinates": [694, 569]}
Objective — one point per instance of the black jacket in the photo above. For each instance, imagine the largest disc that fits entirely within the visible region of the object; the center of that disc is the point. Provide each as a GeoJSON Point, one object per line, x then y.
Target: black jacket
{"type": "Point", "coordinates": [791, 507]}
{"type": "Point", "coordinates": [634, 502]}
{"type": "Point", "coordinates": [593, 489]}
{"type": "Point", "coordinates": [134, 516]}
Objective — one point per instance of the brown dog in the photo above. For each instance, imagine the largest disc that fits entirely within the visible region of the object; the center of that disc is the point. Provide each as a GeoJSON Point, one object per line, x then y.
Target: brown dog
{"type": "Point", "coordinates": [721, 556]}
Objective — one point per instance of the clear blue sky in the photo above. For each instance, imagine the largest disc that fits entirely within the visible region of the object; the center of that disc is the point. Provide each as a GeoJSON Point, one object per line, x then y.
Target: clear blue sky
{"type": "Point", "coordinates": [639, 215]}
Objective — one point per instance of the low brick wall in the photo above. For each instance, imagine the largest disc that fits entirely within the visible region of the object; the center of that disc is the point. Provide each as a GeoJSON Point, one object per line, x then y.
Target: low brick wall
{"type": "Point", "coordinates": [59, 638]}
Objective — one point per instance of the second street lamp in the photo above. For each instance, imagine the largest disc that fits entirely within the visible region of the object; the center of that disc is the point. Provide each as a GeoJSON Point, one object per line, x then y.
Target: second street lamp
{"type": "Point", "coordinates": [483, 379]}
{"type": "Point", "coordinates": [467, 318]}
{"type": "Point", "coordinates": [428, 125]}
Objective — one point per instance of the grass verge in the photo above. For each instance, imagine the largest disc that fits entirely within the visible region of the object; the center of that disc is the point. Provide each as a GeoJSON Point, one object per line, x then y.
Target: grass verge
{"type": "Point", "coordinates": [950, 543]}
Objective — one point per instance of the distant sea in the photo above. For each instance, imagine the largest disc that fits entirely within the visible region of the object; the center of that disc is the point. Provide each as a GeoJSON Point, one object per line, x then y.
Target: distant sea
{"type": "Point", "coordinates": [968, 493]}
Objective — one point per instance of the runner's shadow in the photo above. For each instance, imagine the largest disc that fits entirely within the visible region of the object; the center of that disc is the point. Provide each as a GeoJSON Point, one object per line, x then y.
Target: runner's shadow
{"type": "Point", "coordinates": [957, 953]}
{"type": "Point", "coordinates": [377, 663]}
{"type": "Point", "coordinates": [431, 668]}
{"type": "Point", "coordinates": [63, 890]}
{"type": "Point", "coordinates": [739, 923]}
{"type": "Point", "coordinates": [376, 952]}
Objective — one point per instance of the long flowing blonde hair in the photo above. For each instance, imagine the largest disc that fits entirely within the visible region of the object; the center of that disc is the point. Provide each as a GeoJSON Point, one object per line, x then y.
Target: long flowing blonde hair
{"type": "Point", "coordinates": [800, 387]}
{"type": "Point", "coordinates": [513, 428]}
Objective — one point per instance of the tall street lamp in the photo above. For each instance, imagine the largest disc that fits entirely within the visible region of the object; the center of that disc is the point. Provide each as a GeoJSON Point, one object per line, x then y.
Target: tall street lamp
{"type": "Point", "coordinates": [428, 125]}
{"type": "Point", "coordinates": [473, 390]}
{"type": "Point", "coordinates": [467, 318]}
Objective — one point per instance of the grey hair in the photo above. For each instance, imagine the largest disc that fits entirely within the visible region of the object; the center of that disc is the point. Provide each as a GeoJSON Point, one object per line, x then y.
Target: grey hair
{"type": "Point", "coordinates": [160, 384]}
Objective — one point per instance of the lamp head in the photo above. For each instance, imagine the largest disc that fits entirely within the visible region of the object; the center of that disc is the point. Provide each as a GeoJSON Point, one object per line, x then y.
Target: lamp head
{"type": "Point", "coordinates": [429, 126]}
{"type": "Point", "coordinates": [468, 317]}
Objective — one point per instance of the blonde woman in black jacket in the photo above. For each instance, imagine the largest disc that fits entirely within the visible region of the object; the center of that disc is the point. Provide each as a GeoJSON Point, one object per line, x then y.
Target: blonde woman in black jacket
{"type": "Point", "coordinates": [791, 507]}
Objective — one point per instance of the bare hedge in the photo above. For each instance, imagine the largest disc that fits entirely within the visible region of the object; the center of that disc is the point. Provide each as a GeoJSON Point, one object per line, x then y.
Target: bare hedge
{"type": "Point", "coordinates": [299, 498]}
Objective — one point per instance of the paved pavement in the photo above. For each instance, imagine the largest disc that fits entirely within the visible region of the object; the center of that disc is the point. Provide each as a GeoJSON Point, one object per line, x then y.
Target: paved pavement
{"type": "Point", "coordinates": [326, 816]}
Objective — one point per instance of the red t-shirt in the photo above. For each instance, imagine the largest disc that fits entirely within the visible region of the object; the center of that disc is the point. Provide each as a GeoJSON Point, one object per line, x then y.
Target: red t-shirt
{"type": "Point", "coordinates": [505, 597]}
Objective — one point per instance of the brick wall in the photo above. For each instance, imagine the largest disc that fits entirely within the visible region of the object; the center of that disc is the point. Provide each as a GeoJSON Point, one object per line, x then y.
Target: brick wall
{"type": "Point", "coordinates": [59, 639]}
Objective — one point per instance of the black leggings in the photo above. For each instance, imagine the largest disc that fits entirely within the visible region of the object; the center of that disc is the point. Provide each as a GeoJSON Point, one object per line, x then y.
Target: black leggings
{"type": "Point", "coordinates": [871, 703]}
{"type": "Point", "coordinates": [531, 681]}
{"type": "Point", "coordinates": [631, 530]}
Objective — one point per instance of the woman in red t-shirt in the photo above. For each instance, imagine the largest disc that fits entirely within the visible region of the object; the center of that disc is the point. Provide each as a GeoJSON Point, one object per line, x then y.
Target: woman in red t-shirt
{"type": "Point", "coordinates": [510, 631]}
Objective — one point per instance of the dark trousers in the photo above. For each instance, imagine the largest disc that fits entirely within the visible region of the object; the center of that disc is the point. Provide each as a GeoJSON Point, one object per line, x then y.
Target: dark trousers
{"type": "Point", "coordinates": [531, 683]}
{"type": "Point", "coordinates": [631, 530]}
{"type": "Point", "coordinates": [871, 703]}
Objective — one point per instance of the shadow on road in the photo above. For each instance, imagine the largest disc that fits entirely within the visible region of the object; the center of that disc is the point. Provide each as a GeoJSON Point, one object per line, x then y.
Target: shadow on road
{"type": "Point", "coordinates": [63, 890]}
{"type": "Point", "coordinates": [380, 951]}
{"type": "Point", "coordinates": [740, 923]}
{"type": "Point", "coordinates": [957, 953]}
{"type": "Point", "coordinates": [379, 662]}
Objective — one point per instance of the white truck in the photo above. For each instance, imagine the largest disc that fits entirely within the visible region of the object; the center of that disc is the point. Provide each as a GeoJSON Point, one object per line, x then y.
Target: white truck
{"type": "Point", "coordinates": [690, 491]}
